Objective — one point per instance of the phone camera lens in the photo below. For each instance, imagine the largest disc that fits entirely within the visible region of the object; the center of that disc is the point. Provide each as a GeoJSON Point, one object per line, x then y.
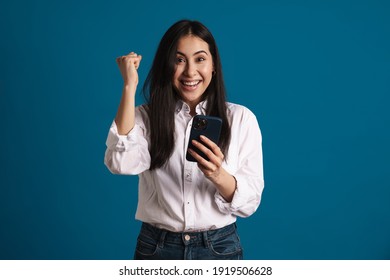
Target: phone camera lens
{"type": "Point", "coordinates": [200, 124]}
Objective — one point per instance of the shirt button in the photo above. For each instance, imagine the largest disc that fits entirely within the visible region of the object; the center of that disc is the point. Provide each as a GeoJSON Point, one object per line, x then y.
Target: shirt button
{"type": "Point", "coordinates": [187, 237]}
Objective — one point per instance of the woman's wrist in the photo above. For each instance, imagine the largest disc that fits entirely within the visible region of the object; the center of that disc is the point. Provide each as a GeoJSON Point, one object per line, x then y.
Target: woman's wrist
{"type": "Point", "coordinates": [226, 184]}
{"type": "Point", "coordinates": [129, 87]}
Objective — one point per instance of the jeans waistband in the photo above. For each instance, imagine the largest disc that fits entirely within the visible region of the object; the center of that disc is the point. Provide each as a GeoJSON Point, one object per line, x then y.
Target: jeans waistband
{"type": "Point", "coordinates": [186, 238]}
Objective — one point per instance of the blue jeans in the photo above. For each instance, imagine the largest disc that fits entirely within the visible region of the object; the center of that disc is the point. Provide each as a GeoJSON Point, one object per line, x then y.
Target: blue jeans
{"type": "Point", "coordinates": [158, 244]}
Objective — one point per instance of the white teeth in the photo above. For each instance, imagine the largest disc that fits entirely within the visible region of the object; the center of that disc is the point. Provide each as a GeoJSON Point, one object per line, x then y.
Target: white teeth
{"type": "Point", "coordinates": [194, 83]}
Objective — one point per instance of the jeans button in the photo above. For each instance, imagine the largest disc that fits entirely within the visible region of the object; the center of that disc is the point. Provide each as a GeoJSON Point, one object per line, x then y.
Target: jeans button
{"type": "Point", "coordinates": [187, 237]}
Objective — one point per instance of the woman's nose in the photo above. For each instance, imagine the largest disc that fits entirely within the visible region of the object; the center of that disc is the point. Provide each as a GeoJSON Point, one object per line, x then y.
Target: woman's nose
{"type": "Point", "coordinates": [190, 69]}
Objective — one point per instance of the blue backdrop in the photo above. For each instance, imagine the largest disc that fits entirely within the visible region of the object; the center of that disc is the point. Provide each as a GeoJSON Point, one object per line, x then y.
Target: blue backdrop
{"type": "Point", "coordinates": [316, 74]}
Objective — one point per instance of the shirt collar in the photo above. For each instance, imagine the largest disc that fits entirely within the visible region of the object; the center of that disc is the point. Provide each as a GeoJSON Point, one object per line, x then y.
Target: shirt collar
{"type": "Point", "coordinates": [200, 108]}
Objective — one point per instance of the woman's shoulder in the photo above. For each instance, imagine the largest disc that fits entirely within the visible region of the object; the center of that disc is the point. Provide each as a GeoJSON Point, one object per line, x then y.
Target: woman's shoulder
{"type": "Point", "coordinates": [142, 110]}
{"type": "Point", "coordinates": [141, 115]}
{"type": "Point", "coordinates": [238, 110]}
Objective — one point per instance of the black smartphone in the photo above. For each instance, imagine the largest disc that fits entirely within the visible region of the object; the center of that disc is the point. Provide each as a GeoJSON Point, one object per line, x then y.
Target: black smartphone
{"type": "Point", "coordinates": [207, 126]}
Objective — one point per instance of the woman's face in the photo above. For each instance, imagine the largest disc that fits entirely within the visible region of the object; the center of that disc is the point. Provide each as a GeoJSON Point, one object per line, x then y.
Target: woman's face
{"type": "Point", "coordinates": [194, 69]}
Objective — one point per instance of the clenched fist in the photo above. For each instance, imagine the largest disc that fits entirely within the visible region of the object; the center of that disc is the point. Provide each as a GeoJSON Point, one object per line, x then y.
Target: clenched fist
{"type": "Point", "coordinates": [128, 65]}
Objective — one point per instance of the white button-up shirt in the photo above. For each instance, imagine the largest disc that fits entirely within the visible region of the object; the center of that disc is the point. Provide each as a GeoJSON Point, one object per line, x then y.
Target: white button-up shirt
{"type": "Point", "coordinates": [178, 196]}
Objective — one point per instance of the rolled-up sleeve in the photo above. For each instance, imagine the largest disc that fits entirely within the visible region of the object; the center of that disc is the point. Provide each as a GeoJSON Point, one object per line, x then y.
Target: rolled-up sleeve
{"type": "Point", "coordinates": [127, 154]}
{"type": "Point", "coordinates": [249, 174]}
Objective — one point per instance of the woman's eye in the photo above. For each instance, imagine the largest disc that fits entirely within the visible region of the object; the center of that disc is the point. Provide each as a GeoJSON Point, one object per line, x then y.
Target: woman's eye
{"type": "Point", "coordinates": [180, 60]}
{"type": "Point", "coordinates": [201, 59]}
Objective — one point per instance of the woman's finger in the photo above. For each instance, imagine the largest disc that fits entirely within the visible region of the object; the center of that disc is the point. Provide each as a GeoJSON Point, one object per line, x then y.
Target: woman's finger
{"type": "Point", "coordinates": [137, 61]}
{"type": "Point", "coordinates": [214, 154]}
{"type": "Point", "coordinates": [214, 160]}
{"type": "Point", "coordinates": [130, 60]}
{"type": "Point", "coordinates": [202, 162]}
{"type": "Point", "coordinates": [213, 146]}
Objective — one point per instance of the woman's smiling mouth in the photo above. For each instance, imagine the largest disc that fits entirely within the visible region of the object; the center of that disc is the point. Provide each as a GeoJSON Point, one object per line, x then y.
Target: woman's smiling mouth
{"type": "Point", "coordinates": [190, 85]}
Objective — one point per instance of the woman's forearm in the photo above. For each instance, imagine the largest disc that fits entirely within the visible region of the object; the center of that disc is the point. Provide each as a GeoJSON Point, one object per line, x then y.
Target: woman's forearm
{"type": "Point", "coordinates": [125, 117]}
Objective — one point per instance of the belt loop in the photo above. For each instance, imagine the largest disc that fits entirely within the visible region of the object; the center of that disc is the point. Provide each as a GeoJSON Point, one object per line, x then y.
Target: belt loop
{"type": "Point", "coordinates": [162, 238]}
{"type": "Point", "coordinates": [205, 239]}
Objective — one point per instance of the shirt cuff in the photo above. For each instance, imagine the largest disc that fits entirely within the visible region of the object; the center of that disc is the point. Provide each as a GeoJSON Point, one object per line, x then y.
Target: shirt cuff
{"type": "Point", "coordinates": [239, 199]}
{"type": "Point", "coordinates": [122, 143]}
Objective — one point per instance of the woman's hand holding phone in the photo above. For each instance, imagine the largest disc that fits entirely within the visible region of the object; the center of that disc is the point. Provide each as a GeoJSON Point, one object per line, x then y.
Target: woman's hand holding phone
{"type": "Point", "coordinates": [204, 150]}
{"type": "Point", "coordinates": [212, 167]}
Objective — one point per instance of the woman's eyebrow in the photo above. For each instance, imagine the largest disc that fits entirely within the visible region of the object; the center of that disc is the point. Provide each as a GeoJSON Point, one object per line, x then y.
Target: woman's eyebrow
{"type": "Point", "coordinates": [198, 52]}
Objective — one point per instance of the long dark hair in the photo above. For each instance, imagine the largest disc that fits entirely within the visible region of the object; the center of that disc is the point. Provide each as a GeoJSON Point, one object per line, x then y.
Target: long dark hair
{"type": "Point", "coordinates": [161, 96]}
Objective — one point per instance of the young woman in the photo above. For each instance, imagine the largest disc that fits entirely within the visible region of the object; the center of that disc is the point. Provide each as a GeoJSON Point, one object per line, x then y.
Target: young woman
{"type": "Point", "coordinates": [188, 209]}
